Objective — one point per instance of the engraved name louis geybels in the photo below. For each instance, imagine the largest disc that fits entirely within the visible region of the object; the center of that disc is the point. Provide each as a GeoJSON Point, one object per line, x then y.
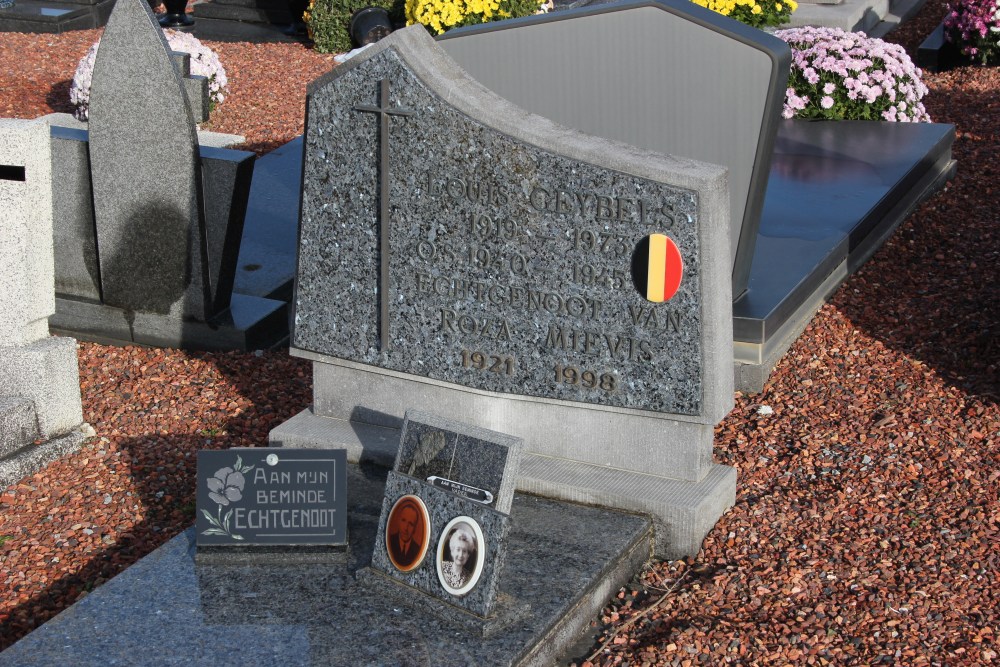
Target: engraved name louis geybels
{"type": "Point", "coordinates": [555, 199]}
{"type": "Point", "coordinates": [485, 265]}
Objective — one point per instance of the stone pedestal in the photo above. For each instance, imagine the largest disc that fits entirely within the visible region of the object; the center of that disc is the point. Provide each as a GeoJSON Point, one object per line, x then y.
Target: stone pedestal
{"type": "Point", "coordinates": [40, 411]}
{"type": "Point", "coordinates": [355, 411]}
{"type": "Point", "coordinates": [46, 373]}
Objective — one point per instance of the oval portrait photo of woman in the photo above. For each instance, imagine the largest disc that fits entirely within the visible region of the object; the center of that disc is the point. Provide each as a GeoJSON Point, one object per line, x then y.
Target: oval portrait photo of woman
{"type": "Point", "coordinates": [460, 555]}
{"type": "Point", "coordinates": [407, 533]}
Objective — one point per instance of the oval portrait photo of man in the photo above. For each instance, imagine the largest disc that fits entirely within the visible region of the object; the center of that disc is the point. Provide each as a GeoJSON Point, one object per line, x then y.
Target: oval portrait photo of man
{"type": "Point", "coordinates": [460, 555]}
{"type": "Point", "coordinates": [407, 533]}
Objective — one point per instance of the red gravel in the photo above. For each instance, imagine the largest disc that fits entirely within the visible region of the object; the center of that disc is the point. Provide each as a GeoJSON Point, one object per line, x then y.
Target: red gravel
{"type": "Point", "coordinates": [267, 82]}
{"type": "Point", "coordinates": [867, 521]}
{"type": "Point", "coordinates": [82, 519]}
{"type": "Point", "coordinates": [866, 528]}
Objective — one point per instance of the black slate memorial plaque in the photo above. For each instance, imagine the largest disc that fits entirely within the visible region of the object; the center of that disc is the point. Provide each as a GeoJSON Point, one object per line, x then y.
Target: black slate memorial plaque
{"type": "Point", "coordinates": [272, 497]}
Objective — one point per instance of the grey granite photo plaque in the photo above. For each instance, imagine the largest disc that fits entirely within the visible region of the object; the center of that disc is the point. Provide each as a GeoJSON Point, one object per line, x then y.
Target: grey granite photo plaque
{"type": "Point", "coordinates": [446, 512]}
{"type": "Point", "coordinates": [471, 257]}
{"type": "Point", "coordinates": [272, 497]}
{"type": "Point", "coordinates": [474, 591]}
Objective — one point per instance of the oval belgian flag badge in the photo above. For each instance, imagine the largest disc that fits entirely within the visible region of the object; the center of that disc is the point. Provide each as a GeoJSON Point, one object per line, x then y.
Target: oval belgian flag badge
{"type": "Point", "coordinates": [657, 268]}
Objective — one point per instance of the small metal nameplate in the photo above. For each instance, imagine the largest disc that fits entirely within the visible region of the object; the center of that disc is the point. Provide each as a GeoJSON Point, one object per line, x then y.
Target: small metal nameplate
{"type": "Point", "coordinates": [472, 493]}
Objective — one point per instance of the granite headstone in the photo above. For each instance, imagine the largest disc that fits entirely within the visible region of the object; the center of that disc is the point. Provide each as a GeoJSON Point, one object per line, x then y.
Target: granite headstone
{"type": "Point", "coordinates": [144, 169]}
{"type": "Point", "coordinates": [501, 268]}
{"type": "Point", "coordinates": [151, 223]}
{"type": "Point", "coordinates": [518, 275]}
{"type": "Point", "coordinates": [39, 378]}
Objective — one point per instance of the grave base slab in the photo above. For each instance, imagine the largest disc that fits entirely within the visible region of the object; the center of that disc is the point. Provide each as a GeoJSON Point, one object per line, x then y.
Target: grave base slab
{"type": "Point", "coordinates": [507, 611]}
{"type": "Point", "coordinates": [564, 561]}
{"type": "Point", "coordinates": [250, 323]}
{"type": "Point", "coordinates": [31, 458]}
{"type": "Point", "coordinates": [682, 512]}
{"type": "Point", "coordinates": [266, 554]}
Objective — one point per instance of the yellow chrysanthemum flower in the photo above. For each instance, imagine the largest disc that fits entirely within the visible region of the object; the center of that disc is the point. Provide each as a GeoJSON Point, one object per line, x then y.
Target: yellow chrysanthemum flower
{"type": "Point", "coordinates": [442, 15]}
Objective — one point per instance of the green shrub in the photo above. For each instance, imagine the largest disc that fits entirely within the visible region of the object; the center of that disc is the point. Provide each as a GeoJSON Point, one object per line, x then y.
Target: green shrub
{"type": "Point", "coordinates": [328, 21]}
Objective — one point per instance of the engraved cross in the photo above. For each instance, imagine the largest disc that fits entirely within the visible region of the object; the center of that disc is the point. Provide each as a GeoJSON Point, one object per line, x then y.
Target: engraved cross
{"type": "Point", "coordinates": [384, 111]}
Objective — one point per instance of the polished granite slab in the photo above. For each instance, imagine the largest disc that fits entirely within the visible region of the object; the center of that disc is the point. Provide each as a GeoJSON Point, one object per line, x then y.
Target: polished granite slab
{"type": "Point", "coordinates": [266, 266]}
{"type": "Point", "coordinates": [831, 186]}
{"type": "Point", "coordinates": [837, 190]}
{"type": "Point", "coordinates": [54, 16]}
{"type": "Point", "coordinates": [564, 560]}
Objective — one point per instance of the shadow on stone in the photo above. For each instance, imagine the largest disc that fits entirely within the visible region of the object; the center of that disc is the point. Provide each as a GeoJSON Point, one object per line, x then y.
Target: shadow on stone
{"type": "Point", "coordinates": [143, 274]}
{"type": "Point", "coordinates": [58, 97]}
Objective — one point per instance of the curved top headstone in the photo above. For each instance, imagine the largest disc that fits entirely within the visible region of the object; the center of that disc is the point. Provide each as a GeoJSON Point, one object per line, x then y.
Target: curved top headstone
{"type": "Point", "coordinates": [447, 234]}
{"type": "Point", "coordinates": [668, 76]}
{"type": "Point", "coordinates": [144, 170]}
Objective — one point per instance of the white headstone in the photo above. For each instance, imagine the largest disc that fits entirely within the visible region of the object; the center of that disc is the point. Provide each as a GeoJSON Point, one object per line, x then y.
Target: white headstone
{"type": "Point", "coordinates": [26, 283]}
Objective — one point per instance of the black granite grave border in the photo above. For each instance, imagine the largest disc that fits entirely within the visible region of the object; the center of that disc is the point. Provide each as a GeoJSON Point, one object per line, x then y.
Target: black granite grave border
{"type": "Point", "coordinates": [937, 54]}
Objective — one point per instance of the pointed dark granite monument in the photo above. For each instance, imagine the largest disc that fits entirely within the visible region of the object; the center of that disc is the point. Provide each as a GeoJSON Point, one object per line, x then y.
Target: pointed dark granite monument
{"type": "Point", "coordinates": [145, 171]}
{"type": "Point", "coordinates": [157, 262]}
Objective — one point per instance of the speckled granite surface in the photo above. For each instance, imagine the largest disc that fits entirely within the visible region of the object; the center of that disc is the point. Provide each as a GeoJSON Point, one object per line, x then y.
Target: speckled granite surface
{"type": "Point", "coordinates": [148, 231]}
{"type": "Point", "coordinates": [442, 506]}
{"type": "Point", "coordinates": [564, 560]}
{"type": "Point", "coordinates": [509, 262]}
{"type": "Point", "coordinates": [466, 454]}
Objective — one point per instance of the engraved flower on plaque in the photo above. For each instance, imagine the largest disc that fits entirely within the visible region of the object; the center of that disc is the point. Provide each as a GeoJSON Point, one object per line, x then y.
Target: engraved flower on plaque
{"type": "Point", "coordinates": [225, 488]}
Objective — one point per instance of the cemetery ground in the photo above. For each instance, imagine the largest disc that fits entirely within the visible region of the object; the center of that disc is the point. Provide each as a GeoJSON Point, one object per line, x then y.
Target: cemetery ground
{"type": "Point", "coordinates": [866, 528]}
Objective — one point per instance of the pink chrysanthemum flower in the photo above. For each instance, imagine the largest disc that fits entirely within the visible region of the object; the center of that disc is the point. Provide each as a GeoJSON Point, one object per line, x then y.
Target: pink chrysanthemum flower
{"type": "Point", "coordinates": [840, 75]}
